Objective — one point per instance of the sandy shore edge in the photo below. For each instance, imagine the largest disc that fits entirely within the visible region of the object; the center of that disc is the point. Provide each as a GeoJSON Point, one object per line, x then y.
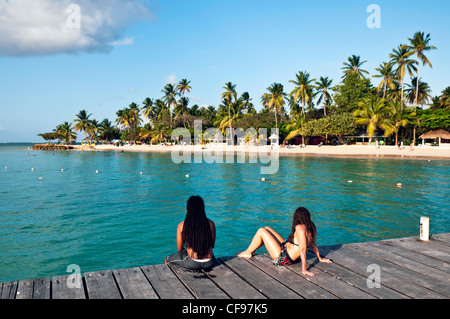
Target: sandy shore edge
{"type": "Point", "coordinates": [418, 152]}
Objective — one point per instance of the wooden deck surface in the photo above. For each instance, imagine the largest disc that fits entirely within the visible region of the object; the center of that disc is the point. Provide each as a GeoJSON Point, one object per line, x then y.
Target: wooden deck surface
{"type": "Point", "coordinates": [408, 269]}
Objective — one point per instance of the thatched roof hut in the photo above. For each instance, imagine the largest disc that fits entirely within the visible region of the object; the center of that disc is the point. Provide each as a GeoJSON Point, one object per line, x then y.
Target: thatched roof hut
{"type": "Point", "coordinates": [436, 134]}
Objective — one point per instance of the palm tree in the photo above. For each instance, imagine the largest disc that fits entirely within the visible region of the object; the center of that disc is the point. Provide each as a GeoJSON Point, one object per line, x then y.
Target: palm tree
{"type": "Point", "coordinates": [66, 132]}
{"type": "Point", "coordinates": [354, 66]}
{"type": "Point", "coordinates": [93, 130]}
{"type": "Point", "coordinates": [229, 96]}
{"type": "Point", "coordinates": [294, 107]}
{"type": "Point", "coordinates": [274, 100]}
{"type": "Point", "coordinates": [135, 115]}
{"type": "Point", "coordinates": [400, 58]}
{"type": "Point", "coordinates": [445, 98]}
{"type": "Point", "coordinates": [106, 130]}
{"type": "Point", "coordinates": [82, 121]}
{"type": "Point", "coordinates": [297, 127]}
{"type": "Point", "coordinates": [418, 92]}
{"type": "Point", "coordinates": [323, 88]}
{"type": "Point", "coordinates": [159, 133]}
{"type": "Point", "coordinates": [304, 88]}
{"type": "Point", "coordinates": [386, 72]}
{"type": "Point", "coordinates": [148, 109]}
{"type": "Point", "coordinates": [396, 114]}
{"type": "Point", "coordinates": [129, 118]}
{"type": "Point", "coordinates": [419, 44]}
{"type": "Point", "coordinates": [247, 104]}
{"type": "Point", "coordinates": [225, 119]}
{"type": "Point", "coordinates": [170, 94]}
{"type": "Point", "coordinates": [182, 108]}
{"type": "Point", "coordinates": [184, 86]}
{"type": "Point", "coordinates": [372, 113]}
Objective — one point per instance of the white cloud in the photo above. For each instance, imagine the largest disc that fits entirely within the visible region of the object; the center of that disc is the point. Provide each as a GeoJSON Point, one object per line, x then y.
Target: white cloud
{"type": "Point", "coordinates": [126, 41]}
{"type": "Point", "coordinates": [45, 27]}
{"type": "Point", "coordinates": [171, 79]}
{"type": "Point", "coordinates": [2, 128]}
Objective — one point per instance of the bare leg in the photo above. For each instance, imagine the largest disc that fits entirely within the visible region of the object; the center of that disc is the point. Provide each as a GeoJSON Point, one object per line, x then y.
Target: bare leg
{"type": "Point", "coordinates": [263, 237]}
{"type": "Point", "coordinates": [276, 235]}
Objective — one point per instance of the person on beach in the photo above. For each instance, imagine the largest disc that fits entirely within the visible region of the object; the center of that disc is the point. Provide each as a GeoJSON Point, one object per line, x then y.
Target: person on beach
{"type": "Point", "coordinates": [198, 233]}
{"type": "Point", "coordinates": [283, 253]}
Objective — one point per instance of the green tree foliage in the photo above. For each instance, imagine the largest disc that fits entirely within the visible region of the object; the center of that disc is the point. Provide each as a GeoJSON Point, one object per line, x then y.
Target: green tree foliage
{"type": "Point", "coordinates": [352, 90]}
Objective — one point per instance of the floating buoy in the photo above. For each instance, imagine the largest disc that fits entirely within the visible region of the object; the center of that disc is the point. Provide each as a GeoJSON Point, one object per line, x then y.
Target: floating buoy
{"type": "Point", "coordinates": [142, 173]}
{"type": "Point", "coordinates": [263, 179]}
{"type": "Point", "coordinates": [96, 172]}
{"type": "Point", "coordinates": [62, 170]}
{"type": "Point", "coordinates": [32, 169]}
{"type": "Point", "coordinates": [399, 184]}
{"type": "Point", "coordinates": [349, 182]}
{"type": "Point", "coordinates": [40, 178]}
{"type": "Point", "coordinates": [187, 176]}
{"type": "Point", "coordinates": [6, 167]}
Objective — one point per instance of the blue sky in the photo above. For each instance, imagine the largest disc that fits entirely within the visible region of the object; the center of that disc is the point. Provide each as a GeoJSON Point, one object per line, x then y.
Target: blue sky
{"type": "Point", "coordinates": [250, 43]}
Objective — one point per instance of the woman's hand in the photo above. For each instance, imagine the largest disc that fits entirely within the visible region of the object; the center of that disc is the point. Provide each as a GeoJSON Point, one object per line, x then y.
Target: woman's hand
{"type": "Point", "coordinates": [308, 273]}
{"type": "Point", "coordinates": [325, 260]}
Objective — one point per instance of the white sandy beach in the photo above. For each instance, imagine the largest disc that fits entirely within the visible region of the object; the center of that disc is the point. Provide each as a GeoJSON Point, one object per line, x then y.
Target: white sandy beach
{"type": "Point", "coordinates": [335, 151]}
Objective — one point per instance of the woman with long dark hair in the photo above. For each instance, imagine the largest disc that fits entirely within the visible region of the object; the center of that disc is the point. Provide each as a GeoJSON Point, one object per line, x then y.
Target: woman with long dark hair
{"type": "Point", "coordinates": [303, 236]}
{"type": "Point", "coordinates": [198, 233]}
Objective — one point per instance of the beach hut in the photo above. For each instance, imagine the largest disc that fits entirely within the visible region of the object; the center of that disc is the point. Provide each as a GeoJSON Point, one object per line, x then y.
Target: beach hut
{"type": "Point", "coordinates": [435, 134]}
{"type": "Point", "coordinates": [274, 140]}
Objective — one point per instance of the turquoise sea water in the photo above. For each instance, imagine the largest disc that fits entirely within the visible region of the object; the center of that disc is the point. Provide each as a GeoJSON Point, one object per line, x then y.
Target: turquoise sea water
{"type": "Point", "coordinates": [118, 218]}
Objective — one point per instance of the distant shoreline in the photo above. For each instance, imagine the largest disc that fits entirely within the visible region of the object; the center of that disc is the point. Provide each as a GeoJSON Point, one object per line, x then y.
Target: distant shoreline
{"type": "Point", "coordinates": [419, 152]}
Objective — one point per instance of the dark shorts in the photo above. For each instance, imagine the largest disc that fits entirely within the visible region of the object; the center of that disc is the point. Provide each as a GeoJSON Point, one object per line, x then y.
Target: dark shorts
{"type": "Point", "coordinates": [182, 259]}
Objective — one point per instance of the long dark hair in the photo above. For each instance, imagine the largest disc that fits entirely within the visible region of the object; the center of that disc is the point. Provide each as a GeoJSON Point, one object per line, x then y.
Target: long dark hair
{"type": "Point", "coordinates": [302, 216]}
{"type": "Point", "coordinates": [197, 231]}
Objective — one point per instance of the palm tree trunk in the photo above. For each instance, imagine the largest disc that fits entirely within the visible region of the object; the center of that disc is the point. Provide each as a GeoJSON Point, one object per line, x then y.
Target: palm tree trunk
{"type": "Point", "coordinates": [170, 116]}
{"type": "Point", "coordinates": [402, 95]}
{"type": "Point", "coordinates": [416, 99]}
{"type": "Point", "coordinates": [417, 82]}
{"type": "Point", "coordinates": [384, 93]}
{"type": "Point", "coordinates": [229, 121]}
{"type": "Point", "coordinates": [276, 119]}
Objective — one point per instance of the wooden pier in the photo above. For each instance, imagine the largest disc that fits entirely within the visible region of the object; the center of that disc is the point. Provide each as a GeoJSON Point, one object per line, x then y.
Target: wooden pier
{"type": "Point", "coordinates": [404, 268]}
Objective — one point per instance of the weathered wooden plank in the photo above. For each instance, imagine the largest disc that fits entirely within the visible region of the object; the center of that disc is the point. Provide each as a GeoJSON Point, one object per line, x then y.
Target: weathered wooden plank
{"type": "Point", "coordinates": [165, 283]}
{"type": "Point", "coordinates": [435, 263]}
{"type": "Point", "coordinates": [406, 274]}
{"type": "Point", "coordinates": [443, 239]}
{"type": "Point", "coordinates": [200, 285]}
{"type": "Point", "coordinates": [25, 289]}
{"type": "Point", "coordinates": [41, 288]}
{"type": "Point", "coordinates": [266, 284]}
{"type": "Point", "coordinates": [429, 248]}
{"type": "Point", "coordinates": [101, 285]}
{"type": "Point", "coordinates": [390, 275]}
{"type": "Point", "coordinates": [355, 279]}
{"type": "Point", "coordinates": [8, 290]}
{"type": "Point", "coordinates": [232, 284]}
{"type": "Point", "coordinates": [299, 284]}
{"type": "Point", "coordinates": [404, 262]}
{"type": "Point", "coordinates": [133, 284]}
{"type": "Point", "coordinates": [61, 289]}
{"type": "Point", "coordinates": [332, 284]}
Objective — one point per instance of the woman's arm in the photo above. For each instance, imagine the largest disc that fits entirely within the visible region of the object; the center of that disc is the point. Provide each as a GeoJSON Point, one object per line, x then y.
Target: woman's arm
{"type": "Point", "coordinates": [179, 236]}
{"type": "Point", "coordinates": [316, 251]}
{"type": "Point", "coordinates": [300, 234]}
{"type": "Point", "coordinates": [213, 231]}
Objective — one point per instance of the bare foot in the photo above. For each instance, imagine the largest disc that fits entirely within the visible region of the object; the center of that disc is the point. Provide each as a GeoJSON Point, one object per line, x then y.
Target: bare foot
{"type": "Point", "coordinates": [245, 255]}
